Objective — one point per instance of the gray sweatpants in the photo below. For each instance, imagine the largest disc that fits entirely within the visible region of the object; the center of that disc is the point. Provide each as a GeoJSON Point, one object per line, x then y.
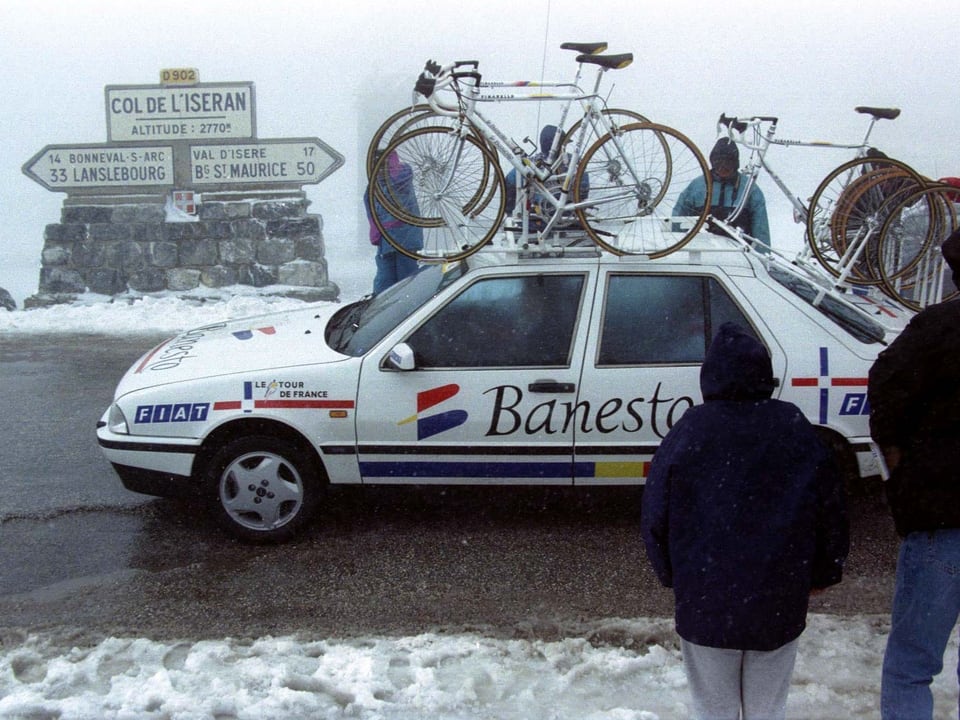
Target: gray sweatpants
{"type": "Point", "coordinates": [724, 683]}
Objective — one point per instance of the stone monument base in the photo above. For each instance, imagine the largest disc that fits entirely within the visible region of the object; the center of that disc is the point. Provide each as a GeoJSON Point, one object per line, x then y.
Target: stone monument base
{"type": "Point", "coordinates": [127, 246]}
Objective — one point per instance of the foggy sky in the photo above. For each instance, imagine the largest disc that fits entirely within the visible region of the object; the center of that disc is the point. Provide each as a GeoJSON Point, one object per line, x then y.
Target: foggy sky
{"type": "Point", "coordinates": [335, 72]}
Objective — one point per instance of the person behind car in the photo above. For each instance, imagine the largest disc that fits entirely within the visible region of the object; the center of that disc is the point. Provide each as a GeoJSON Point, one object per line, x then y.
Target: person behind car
{"type": "Point", "coordinates": [393, 265]}
{"type": "Point", "coordinates": [729, 184]}
{"type": "Point", "coordinates": [914, 397]}
{"type": "Point", "coordinates": [743, 515]}
{"type": "Point", "coordinates": [540, 208]}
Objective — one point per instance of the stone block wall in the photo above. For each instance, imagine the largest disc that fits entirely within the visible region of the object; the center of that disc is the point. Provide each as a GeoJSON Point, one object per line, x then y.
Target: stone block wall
{"type": "Point", "coordinates": [115, 249]}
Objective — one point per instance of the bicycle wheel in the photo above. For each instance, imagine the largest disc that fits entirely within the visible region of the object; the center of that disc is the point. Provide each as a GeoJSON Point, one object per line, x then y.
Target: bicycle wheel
{"type": "Point", "coordinates": [407, 120]}
{"type": "Point", "coordinates": [390, 128]}
{"type": "Point", "coordinates": [434, 120]}
{"type": "Point", "coordinates": [911, 268]}
{"type": "Point", "coordinates": [840, 228]}
{"type": "Point", "coordinates": [855, 224]}
{"type": "Point", "coordinates": [448, 184]}
{"type": "Point", "coordinates": [635, 177]}
{"type": "Point", "coordinates": [429, 160]}
{"type": "Point", "coordinates": [617, 119]}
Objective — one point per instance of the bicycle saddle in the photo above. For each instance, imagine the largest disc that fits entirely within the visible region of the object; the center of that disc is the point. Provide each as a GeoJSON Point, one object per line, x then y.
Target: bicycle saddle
{"type": "Point", "coordinates": [879, 113]}
{"type": "Point", "coordinates": [585, 48]}
{"type": "Point", "coordinates": [610, 62]}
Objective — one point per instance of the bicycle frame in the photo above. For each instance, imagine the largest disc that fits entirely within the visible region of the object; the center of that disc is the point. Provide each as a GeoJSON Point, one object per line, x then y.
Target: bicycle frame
{"type": "Point", "coordinates": [464, 106]}
{"type": "Point", "coordinates": [759, 142]}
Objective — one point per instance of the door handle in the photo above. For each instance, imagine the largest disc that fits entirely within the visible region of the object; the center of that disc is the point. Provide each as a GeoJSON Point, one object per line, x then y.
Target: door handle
{"type": "Point", "coordinates": [551, 386]}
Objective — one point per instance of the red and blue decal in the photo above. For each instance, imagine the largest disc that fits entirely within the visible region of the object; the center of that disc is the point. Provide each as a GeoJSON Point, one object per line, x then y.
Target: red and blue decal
{"type": "Point", "coordinates": [247, 334]}
{"type": "Point", "coordinates": [854, 403]}
{"type": "Point", "coordinates": [438, 422]}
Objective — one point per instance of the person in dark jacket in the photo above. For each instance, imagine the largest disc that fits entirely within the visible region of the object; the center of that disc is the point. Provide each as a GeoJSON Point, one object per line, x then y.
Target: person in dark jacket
{"type": "Point", "coordinates": [743, 516]}
{"type": "Point", "coordinates": [540, 208]}
{"type": "Point", "coordinates": [728, 188]}
{"type": "Point", "coordinates": [914, 397]}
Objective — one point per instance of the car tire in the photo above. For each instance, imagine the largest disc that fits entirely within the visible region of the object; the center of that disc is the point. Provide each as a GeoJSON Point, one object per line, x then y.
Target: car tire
{"type": "Point", "coordinates": [263, 489]}
{"type": "Point", "coordinates": [846, 461]}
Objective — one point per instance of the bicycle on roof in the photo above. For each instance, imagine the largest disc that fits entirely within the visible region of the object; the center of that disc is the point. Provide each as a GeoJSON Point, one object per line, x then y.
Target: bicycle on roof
{"type": "Point", "coordinates": [635, 170]}
{"type": "Point", "coordinates": [856, 219]}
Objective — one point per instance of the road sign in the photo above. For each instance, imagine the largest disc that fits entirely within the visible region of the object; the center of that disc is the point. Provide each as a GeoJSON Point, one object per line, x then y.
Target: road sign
{"type": "Point", "coordinates": [79, 167]}
{"type": "Point", "coordinates": [205, 111]}
{"type": "Point", "coordinates": [299, 161]}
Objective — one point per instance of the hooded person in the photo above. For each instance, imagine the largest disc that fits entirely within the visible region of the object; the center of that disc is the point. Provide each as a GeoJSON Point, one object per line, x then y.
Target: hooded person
{"type": "Point", "coordinates": [743, 515]}
{"type": "Point", "coordinates": [951, 255]}
{"type": "Point", "coordinates": [914, 397]}
{"type": "Point", "coordinates": [536, 204]}
{"type": "Point", "coordinates": [727, 192]}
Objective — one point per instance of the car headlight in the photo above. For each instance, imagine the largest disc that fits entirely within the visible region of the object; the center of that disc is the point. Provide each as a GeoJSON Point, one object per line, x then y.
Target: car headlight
{"type": "Point", "coordinates": [116, 421]}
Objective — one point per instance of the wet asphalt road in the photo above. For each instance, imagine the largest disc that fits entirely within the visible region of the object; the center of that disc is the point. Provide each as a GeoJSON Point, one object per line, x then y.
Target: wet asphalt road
{"type": "Point", "coordinates": [82, 555]}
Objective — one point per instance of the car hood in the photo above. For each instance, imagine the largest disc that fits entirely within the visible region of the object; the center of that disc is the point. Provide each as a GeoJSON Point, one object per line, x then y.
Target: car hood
{"type": "Point", "coordinates": [283, 339]}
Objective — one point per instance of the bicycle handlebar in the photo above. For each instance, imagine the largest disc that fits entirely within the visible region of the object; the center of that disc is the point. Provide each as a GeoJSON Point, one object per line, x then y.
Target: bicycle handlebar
{"type": "Point", "coordinates": [740, 124]}
{"type": "Point", "coordinates": [435, 75]}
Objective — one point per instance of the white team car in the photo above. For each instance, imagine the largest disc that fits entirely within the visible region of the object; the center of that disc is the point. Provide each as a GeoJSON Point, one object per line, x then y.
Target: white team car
{"type": "Point", "coordinates": [497, 369]}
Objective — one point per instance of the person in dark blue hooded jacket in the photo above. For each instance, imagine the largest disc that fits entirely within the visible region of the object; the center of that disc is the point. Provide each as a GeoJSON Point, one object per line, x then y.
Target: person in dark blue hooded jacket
{"type": "Point", "coordinates": [541, 208]}
{"type": "Point", "coordinates": [743, 516]}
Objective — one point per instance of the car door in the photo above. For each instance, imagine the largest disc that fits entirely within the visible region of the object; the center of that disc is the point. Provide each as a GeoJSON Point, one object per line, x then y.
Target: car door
{"type": "Point", "coordinates": [487, 400]}
{"type": "Point", "coordinates": [642, 369]}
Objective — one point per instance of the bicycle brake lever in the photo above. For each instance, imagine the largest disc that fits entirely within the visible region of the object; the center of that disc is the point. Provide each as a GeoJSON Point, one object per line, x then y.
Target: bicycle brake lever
{"type": "Point", "coordinates": [425, 85]}
{"type": "Point", "coordinates": [732, 123]}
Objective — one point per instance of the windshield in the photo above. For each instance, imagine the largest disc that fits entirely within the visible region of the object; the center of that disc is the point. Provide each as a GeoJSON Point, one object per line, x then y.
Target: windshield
{"type": "Point", "coordinates": [846, 316]}
{"type": "Point", "coordinates": [355, 329]}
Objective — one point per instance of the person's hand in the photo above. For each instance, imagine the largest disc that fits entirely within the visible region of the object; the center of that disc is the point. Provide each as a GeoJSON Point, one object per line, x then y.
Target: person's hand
{"type": "Point", "coordinates": [891, 455]}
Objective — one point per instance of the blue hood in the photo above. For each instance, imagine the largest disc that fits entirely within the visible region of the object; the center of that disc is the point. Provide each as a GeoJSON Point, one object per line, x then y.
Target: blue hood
{"type": "Point", "coordinates": [737, 367]}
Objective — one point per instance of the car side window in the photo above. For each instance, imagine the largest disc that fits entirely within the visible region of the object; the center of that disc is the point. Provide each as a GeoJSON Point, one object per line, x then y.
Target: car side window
{"type": "Point", "coordinates": [663, 319]}
{"type": "Point", "coordinates": [517, 321]}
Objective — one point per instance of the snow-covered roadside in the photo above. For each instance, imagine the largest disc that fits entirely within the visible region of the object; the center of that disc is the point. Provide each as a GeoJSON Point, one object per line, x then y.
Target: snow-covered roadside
{"type": "Point", "coordinates": [621, 670]}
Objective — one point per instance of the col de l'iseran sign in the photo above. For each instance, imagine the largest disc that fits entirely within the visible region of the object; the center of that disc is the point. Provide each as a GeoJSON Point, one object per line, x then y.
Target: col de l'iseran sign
{"type": "Point", "coordinates": [182, 134]}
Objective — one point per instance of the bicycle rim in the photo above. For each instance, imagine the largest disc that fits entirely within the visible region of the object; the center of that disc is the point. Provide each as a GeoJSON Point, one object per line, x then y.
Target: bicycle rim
{"type": "Point", "coordinates": [391, 128]}
{"type": "Point", "coordinates": [441, 160]}
{"type": "Point", "coordinates": [635, 178]}
{"type": "Point", "coordinates": [452, 188]}
{"type": "Point", "coordinates": [856, 222]}
{"type": "Point", "coordinates": [912, 267]}
{"type": "Point", "coordinates": [615, 117]}
{"type": "Point", "coordinates": [847, 212]}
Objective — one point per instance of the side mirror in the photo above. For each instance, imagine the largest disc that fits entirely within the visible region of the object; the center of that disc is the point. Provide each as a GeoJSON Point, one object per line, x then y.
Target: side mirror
{"type": "Point", "coordinates": [401, 357]}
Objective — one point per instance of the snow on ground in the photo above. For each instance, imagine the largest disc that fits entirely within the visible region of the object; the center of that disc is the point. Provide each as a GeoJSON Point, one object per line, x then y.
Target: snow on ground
{"type": "Point", "coordinates": [624, 669]}
{"type": "Point", "coordinates": [636, 676]}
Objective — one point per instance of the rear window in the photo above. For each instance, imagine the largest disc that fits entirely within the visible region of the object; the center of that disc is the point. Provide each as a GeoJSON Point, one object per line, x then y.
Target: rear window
{"type": "Point", "coordinates": [846, 316]}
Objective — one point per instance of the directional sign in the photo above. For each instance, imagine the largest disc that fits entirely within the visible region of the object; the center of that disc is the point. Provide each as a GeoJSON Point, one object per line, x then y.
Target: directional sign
{"type": "Point", "coordinates": [299, 161]}
{"type": "Point", "coordinates": [78, 167]}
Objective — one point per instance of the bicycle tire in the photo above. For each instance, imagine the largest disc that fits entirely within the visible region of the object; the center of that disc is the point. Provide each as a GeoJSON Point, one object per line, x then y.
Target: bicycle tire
{"type": "Point", "coordinates": [856, 221]}
{"type": "Point", "coordinates": [432, 119]}
{"type": "Point", "coordinates": [456, 186]}
{"type": "Point", "coordinates": [910, 242]}
{"type": "Point", "coordinates": [618, 118]}
{"type": "Point", "coordinates": [407, 120]}
{"type": "Point", "coordinates": [391, 128]}
{"type": "Point", "coordinates": [632, 193]}
{"type": "Point", "coordinates": [432, 153]}
{"type": "Point", "coordinates": [821, 220]}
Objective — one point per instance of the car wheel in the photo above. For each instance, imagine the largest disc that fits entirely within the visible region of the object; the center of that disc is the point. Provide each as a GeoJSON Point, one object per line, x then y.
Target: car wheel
{"type": "Point", "coordinates": [846, 462]}
{"type": "Point", "coordinates": [263, 489]}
